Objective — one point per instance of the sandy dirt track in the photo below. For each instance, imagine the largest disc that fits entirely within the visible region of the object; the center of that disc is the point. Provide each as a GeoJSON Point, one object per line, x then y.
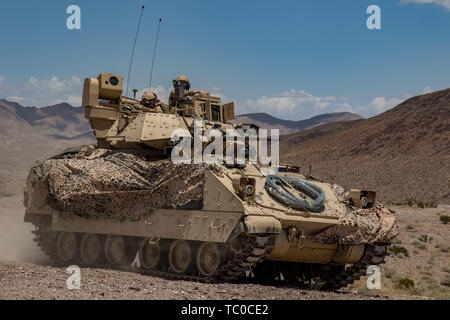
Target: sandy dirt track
{"type": "Point", "coordinates": [31, 281]}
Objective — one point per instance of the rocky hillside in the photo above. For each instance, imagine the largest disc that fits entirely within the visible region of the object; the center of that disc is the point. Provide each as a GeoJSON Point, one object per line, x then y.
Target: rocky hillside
{"type": "Point", "coordinates": [264, 120]}
{"type": "Point", "coordinates": [403, 153]}
{"type": "Point", "coordinates": [62, 120]}
{"type": "Point", "coordinates": [28, 134]}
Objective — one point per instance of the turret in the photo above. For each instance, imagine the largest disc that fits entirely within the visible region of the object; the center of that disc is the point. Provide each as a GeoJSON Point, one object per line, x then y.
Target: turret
{"type": "Point", "coordinates": [121, 122]}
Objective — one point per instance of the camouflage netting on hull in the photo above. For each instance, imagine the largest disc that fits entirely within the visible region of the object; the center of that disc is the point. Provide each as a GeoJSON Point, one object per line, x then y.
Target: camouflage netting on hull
{"type": "Point", "coordinates": [374, 225]}
{"type": "Point", "coordinates": [120, 185]}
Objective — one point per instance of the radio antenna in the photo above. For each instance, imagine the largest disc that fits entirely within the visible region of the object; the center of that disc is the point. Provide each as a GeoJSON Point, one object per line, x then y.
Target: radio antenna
{"type": "Point", "coordinates": [154, 54]}
{"type": "Point", "coordinates": [134, 45]}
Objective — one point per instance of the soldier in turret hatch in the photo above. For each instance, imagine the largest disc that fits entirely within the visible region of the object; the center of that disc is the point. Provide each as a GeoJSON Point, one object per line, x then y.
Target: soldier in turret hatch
{"type": "Point", "coordinates": [181, 92]}
{"type": "Point", "coordinates": [149, 102]}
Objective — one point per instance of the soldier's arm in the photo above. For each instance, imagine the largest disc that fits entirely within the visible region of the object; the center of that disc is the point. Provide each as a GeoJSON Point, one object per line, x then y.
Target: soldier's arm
{"type": "Point", "coordinates": [191, 92]}
{"type": "Point", "coordinates": [139, 107]}
{"type": "Point", "coordinates": [165, 108]}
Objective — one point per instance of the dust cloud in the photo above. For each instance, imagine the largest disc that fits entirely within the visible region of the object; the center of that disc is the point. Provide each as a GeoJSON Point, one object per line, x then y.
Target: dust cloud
{"type": "Point", "coordinates": [16, 239]}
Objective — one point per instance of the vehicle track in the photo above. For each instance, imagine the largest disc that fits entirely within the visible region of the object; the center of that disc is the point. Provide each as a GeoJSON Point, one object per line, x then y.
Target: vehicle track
{"type": "Point", "coordinates": [237, 262]}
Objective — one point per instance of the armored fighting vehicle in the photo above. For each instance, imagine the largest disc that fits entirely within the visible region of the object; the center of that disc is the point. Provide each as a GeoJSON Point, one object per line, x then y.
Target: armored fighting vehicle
{"type": "Point", "coordinates": [124, 202]}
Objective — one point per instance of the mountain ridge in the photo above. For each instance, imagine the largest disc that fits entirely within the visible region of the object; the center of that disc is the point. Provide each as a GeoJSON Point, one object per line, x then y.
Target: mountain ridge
{"type": "Point", "coordinates": [57, 120]}
{"type": "Point", "coordinates": [267, 121]}
{"type": "Point", "coordinates": [28, 134]}
{"type": "Point", "coordinates": [403, 153]}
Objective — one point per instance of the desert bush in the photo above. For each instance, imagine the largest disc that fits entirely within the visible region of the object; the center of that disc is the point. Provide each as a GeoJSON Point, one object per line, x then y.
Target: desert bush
{"type": "Point", "coordinates": [442, 247]}
{"type": "Point", "coordinates": [410, 227]}
{"type": "Point", "coordinates": [445, 282]}
{"type": "Point", "coordinates": [391, 211]}
{"type": "Point", "coordinates": [405, 283]}
{"type": "Point", "coordinates": [416, 251]}
{"type": "Point", "coordinates": [445, 269]}
{"type": "Point", "coordinates": [432, 204]}
{"type": "Point", "coordinates": [429, 284]}
{"type": "Point", "coordinates": [6, 195]}
{"type": "Point", "coordinates": [424, 238]}
{"type": "Point", "coordinates": [419, 245]}
{"type": "Point", "coordinates": [316, 283]}
{"type": "Point", "coordinates": [444, 219]}
{"type": "Point", "coordinates": [389, 273]}
{"type": "Point", "coordinates": [423, 204]}
{"type": "Point", "coordinates": [427, 273]}
{"type": "Point", "coordinates": [419, 203]}
{"type": "Point", "coordinates": [396, 250]}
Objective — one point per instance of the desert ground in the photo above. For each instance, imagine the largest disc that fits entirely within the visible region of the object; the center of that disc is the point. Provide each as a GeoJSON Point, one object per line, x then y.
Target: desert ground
{"type": "Point", "coordinates": [417, 268]}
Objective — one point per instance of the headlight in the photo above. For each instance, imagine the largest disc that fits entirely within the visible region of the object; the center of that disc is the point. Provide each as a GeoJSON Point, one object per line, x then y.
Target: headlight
{"type": "Point", "coordinates": [363, 198]}
{"type": "Point", "coordinates": [244, 187]}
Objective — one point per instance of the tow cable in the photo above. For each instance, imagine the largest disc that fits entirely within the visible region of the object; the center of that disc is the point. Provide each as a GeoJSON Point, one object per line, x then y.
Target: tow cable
{"type": "Point", "coordinates": [278, 186]}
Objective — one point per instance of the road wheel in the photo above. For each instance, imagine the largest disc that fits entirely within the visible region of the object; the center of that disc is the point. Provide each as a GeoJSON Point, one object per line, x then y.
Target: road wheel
{"type": "Point", "coordinates": [180, 257]}
{"type": "Point", "coordinates": [208, 259]}
{"type": "Point", "coordinates": [67, 247]}
{"type": "Point", "coordinates": [91, 249]}
{"type": "Point", "coordinates": [116, 250]}
{"type": "Point", "coordinates": [150, 254]}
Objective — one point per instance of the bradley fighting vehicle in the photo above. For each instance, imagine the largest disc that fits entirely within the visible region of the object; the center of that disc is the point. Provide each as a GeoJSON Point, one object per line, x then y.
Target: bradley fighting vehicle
{"type": "Point", "coordinates": [124, 200]}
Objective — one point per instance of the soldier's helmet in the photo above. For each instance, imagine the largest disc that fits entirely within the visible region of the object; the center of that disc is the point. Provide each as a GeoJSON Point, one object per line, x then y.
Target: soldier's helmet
{"type": "Point", "coordinates": [148, 97]}
{"type": "Point", "coordinates": [184, 81]}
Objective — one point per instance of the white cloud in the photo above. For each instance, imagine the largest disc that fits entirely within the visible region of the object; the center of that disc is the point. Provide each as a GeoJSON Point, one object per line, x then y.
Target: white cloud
{"type": "Point", "coordinates": [15, 98]}
{"type": "Point", "coordinates": [295, 104]}
{"type": "Point", "coordinates": [217, 92]}
{"type": "Point", "coordinates": [43, 92]}
{"type": "Point", "coordinates": [161, 92]}
{"type": "Point", "coordinates": [290, 104]}
{"type": "Point", "coordinates": [381, 104]}
{"type": "Point", "coordinates": [46, 92]}
{"type": "Point", "coordinates": [443, 3]}
{"type": "Point", "coordinates": [299, 104]}
{"type": "Point", "coordinates": [427, 89]}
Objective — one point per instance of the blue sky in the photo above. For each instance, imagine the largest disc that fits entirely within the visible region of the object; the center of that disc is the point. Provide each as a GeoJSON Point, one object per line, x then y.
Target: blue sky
{"type": "Point", "coordinates": [293, 59]}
